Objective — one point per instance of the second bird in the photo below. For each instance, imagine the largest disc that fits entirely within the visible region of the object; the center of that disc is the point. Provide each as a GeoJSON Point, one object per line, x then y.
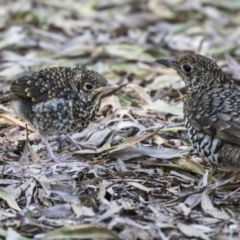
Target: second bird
{"type": "Point", "coordinates": [211, 110]}
{"type": "Point", "coordinates": [59, 100]}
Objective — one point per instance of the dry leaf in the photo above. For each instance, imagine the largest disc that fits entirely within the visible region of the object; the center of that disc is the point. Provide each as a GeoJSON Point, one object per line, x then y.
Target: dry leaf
{"type": "Point", "coordinates": [9, 199]}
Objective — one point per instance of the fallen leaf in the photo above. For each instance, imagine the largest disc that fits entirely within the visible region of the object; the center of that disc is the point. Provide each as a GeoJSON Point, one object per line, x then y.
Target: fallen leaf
{"type": "Point", "coordinates": [141, 93]}
{"type": "Point", "coordinates": [208, 207]}
{"type": "Point", "coordinates": [162, 106]}
{"type": "Point", "coordinates": [85, 231]}
{"type": "Point", "coordinates": [190, 231]}
{"type": "Point", "coordinates": [9, 199]}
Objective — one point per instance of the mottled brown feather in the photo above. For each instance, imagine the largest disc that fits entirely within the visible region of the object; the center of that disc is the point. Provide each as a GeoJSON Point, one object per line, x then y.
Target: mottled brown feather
{"type": "Point", "coordinates": [47, 84]}
{"type": "Point", "coordinates": [58, 100]}
{"type": "Point", "coordinates": [211, 109]}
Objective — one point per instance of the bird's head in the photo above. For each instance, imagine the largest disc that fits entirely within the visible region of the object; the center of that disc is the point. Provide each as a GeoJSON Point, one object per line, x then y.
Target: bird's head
{"type": "Point", "coordinates": [196, 70]}
{"type": "Point", "coordinates": [92, 84]}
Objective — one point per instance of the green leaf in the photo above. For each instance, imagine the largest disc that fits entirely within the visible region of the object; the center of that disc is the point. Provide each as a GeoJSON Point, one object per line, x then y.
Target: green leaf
{"type": "Point", "coordinates": [161, 106]}
{"type": "Point", "coordinates": [129, 52]}
{"type": "Point", "coordinates": [230, 4]}
{"type": "Point", "coordinates": [182, 27]}
{"type": "Point", "coordinates": [156, 54]}
{"type": "Point", "coordinates": [220, 50]}
{"type": "Point", "coordinates": [84, 231]}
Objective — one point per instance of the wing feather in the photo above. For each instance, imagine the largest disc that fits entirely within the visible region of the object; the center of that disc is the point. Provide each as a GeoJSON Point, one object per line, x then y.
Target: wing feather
{"type": "Point", "coordinates": [221, 121]}
{"type": "Point", "coordinates": [45, 84]}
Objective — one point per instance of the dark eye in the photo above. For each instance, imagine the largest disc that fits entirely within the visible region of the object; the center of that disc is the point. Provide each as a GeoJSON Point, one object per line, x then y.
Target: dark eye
{"type": "Point", "coordinates": [187, 68]}
{"type": "Point", "coordinates": [88, 86]}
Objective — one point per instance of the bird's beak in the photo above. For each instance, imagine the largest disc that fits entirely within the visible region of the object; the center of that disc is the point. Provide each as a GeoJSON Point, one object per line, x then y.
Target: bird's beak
{"type": "Point", "coordinates": [168, 63]}
{"type": "Point", "coordinates": [109, 86]}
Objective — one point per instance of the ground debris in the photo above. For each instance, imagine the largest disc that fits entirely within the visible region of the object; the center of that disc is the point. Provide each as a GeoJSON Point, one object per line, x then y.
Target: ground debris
{"type": "Point", "coordinates": [144, 181]}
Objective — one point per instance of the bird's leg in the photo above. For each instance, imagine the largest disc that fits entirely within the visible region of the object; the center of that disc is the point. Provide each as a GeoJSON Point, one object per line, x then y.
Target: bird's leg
{"type": "Point", "coordinates": [49, 150]}
{"type": "Point", "coordinates": [82, 145]}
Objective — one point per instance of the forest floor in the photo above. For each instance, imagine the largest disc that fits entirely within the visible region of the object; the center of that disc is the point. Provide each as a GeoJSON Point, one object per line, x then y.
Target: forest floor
{"type": "Point", "coordinates": [144, 182]}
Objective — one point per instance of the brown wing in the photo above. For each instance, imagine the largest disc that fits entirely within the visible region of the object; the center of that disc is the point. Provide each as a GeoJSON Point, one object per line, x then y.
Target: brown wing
{"type": "Point", "coordinates": [217, 113]}
{"type": "Point", "coordinates": [45, 84]}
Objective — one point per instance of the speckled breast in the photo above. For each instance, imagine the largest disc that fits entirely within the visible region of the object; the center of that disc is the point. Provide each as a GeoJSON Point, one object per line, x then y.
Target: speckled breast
{"type": "Point", "coordinates": [206, 146]}
{"type": "Point", "coordinates": [219, 153]}
{"type": "Point", "coordinates": [61, 116]}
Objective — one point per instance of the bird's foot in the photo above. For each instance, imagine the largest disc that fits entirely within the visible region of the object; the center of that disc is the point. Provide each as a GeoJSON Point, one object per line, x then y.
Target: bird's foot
{"type": "Point", "coordinates": [51, 156]}
{"type": "Point", "coordinates": [81, 145]}
{"type": "Point", "coordinates": [61, 158]}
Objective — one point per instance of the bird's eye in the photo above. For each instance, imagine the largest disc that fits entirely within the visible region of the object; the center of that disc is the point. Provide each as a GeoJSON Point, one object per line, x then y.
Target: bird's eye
{"type": "Point", "coordinates": [88, 86]}
{"type": "Point", "coordinates": [187, 68]}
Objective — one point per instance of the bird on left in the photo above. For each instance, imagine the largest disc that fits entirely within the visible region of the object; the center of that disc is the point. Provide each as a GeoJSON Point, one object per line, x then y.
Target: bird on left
{"type": "Point", "coordinates": [59, 100]}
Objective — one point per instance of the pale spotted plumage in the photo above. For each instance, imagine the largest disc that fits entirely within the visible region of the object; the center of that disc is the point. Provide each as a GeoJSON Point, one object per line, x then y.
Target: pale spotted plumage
{"type": "Point", "coordinates": [55, 100]}
{"type": "Point", "coordinates": [58, 100]}
{"type": "Point", "coordinates": [211, 110]}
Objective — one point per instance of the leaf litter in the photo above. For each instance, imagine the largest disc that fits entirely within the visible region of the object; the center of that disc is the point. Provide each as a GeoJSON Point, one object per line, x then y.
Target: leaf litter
{"type": "Point", "coordinates": [144, 181]}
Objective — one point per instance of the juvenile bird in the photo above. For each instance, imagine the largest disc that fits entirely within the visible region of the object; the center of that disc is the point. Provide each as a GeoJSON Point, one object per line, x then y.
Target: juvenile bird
{"type": "Point", "coordinates": [211, 110]}
{"type": "Point", "coordinates": [59, 100]}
